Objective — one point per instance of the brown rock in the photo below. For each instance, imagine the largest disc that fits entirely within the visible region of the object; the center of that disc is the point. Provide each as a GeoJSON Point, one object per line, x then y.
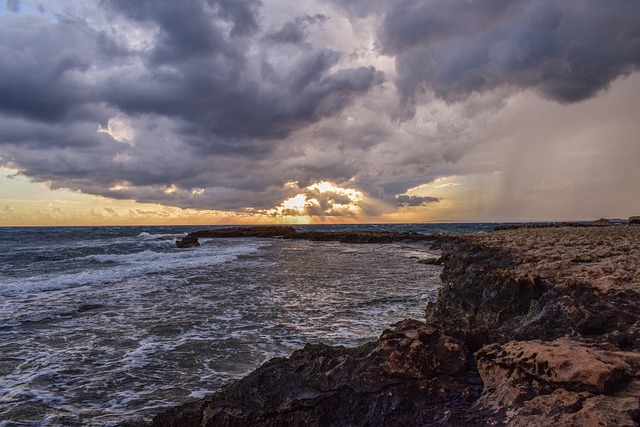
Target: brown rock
{"type": "Point", "coordinates": [554, 382]}
{"type": "Point", "coordinates": [634, 220]}
{"type": "Point", "coordinates": [602, 222]}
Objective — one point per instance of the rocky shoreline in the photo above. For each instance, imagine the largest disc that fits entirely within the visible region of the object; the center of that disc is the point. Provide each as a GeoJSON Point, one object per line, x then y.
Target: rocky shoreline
{"type": "Point", "coordinates": [532, 326]}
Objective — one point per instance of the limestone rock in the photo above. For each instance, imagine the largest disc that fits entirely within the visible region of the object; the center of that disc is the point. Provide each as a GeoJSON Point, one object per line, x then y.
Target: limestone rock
{"type": "Point", "coordinates": [563, 382]}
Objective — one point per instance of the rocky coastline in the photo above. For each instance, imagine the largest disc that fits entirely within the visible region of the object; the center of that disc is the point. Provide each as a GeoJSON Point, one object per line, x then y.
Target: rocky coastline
{"type": "Point", "coordinates": [532, 326]}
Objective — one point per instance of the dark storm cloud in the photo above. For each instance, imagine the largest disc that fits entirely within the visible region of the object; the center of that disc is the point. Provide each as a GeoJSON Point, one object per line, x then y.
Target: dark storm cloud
{"type": "Point", "coordinates": [187, 28]}
{"type": "Point", "coordinates": [225, 107]}
{"type": "Point", "coordinates": [415, 200]}
{"type": "Point", "coordinates": [205, 117]}
{"type": "Point", "coordinates": [296, 31]}
{"type": "Point", "coordinates": [567, 51]}
{"type": "Point", "coordinates": [42, 66]}
{"type": "Point", "coordinates": [211, 84]}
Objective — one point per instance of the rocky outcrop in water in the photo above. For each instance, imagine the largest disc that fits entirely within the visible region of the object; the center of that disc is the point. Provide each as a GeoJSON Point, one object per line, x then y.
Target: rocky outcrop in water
{"type": "Point", "coordinates": [188, 241]}
{"type": "Point", "coordinates": [259, 231]}
{"type": "Point", "coordinates": [534, 326]}
{"type": "Point", "coordinates": [286, 232]}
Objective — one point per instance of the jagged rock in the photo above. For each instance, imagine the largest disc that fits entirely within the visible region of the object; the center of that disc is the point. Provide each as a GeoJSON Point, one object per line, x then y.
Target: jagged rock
{"type": "Point", "coordinates": [634, 220]}
{"type": "Point", "coordinates": [188, 241]}
{"type": "Point", "coordinates": [602, 222]}
{"type": "Point", "coordinates": [563, 382]}
{"type": "Point", "coordinates": [413, 375]}
{"type": "Point", "coordinates": [482, 301]}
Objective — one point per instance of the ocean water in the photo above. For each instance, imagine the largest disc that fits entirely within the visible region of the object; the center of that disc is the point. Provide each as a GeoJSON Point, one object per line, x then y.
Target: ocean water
{"type": "Point", "coordinates": [103, 324]}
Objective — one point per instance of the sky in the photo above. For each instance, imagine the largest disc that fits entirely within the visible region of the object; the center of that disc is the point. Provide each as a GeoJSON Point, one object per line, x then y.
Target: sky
{"type": "Point", "coordinates": [116, 112]}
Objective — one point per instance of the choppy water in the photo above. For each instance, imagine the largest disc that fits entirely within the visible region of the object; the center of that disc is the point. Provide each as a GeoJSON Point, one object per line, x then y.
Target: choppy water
{"type": "Point", "coordinates": [102, 324]}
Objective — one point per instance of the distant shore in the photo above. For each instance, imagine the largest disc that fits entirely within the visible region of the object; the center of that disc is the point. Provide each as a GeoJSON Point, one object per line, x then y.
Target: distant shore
{"type": "Point", "coordinates": [533, 326]}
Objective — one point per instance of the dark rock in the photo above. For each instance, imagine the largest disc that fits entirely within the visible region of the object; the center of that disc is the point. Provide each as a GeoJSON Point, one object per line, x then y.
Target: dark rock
{"type": "Point", "coordinates": [537, 225]}
{"type": "Point", "coordinates": [602, 222]}
{"type": "Point", "coordinates": [413, 375]}
{"type": "Point", "coordinates": [634, 220]}
{"type": "Point", "coordinates": [188, 241]}
{"type": "Point", "coordinates": [435, 261]}
{"type": "Point", "coordinates": [481, 301]}
{"type": "Point", "coordinates": [258, 231]}
{"type": "Point", "coordinates": [360, 237]}
{"type": "Point", "coordinates": [287, 232]}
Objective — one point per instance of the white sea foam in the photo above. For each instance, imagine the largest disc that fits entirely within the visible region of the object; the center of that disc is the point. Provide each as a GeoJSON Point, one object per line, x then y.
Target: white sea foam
{"type": "Point", "coordinates": [118, 267]}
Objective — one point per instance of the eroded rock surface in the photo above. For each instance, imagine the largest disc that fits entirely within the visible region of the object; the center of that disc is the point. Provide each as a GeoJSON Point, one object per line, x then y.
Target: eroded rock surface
{"type": "Point", "coordinates": [562, 382]}
{"type": "Point", "coordinates": [413, 375]}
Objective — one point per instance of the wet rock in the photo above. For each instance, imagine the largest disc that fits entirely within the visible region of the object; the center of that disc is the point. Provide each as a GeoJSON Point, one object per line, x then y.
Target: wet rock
{"type": "Point", "coordinates": [188, 241]}
{"type": "Point", "coordinates": [435, 261]}
{"type": "Point", "coordinates": [287, 232]}
{"type": "Point", "coordinates": [259, 231]}
{"type": "Point", "coordinates": [482, 301]}
{"type": "Point", "coordinates": [413, 375]}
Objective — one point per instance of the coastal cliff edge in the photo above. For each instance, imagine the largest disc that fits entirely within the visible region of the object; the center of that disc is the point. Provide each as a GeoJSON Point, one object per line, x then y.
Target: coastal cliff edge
{"type": "Point", "coordinates": [532, 326]}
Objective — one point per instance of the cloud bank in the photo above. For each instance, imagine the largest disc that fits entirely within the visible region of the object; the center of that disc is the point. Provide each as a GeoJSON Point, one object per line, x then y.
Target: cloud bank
{"type": "Point", "coordinates": [218, 104]}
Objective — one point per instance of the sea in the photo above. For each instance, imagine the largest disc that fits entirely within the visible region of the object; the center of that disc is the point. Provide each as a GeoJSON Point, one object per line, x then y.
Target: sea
{"type": "Point", "coordinates": [99, 325]}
